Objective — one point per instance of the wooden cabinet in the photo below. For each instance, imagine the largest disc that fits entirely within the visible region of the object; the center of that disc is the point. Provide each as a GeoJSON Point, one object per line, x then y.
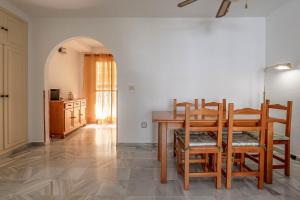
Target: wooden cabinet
{"type": "Point", "coordinates": [66, 116]}
{"type": "Point", "coordinates": [68, 125]}
{"type": "Point", "coordinates": [13, 31]}
{"type": "Point", "coordinates": [83, 115]}
{"type": "Point", "coordinates": [13, 82]}
{"type": "Point", "coordinates": [2, 24]}
{"type": "Point", "coordinates": [15, 103]}
{"type": "Point", "coordinates": [1, 99]}
{"type": "Point", "coordinates": [16, 32]}
{"type": "Point", "coordinates": [76, 117]}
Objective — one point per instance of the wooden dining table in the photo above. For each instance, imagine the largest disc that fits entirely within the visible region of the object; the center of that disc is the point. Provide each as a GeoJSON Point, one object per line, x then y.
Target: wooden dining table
{"type": "Point", "coordinates": [168, 120]}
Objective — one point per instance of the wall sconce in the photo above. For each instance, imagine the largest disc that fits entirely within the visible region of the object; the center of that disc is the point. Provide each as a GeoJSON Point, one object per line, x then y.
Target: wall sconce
{"type": "Point", "coordinates": [62, 50]}
{"type": "Point", "coordinates": [284, 66]}
{"type": "Point", "coordinates": [279, 67]}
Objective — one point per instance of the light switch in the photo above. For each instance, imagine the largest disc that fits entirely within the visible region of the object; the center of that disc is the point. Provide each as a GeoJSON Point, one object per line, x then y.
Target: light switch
{"type": "Point", "coordinates": [144, 124]}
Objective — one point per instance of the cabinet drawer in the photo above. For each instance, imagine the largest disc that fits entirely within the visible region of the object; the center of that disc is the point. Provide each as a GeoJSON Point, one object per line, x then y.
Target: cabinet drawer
{"type": "Point", "coordinates": [69, 105]}
{"type": "Point", "coordinates": [83, 103]}
{"type": "Point", "coordinates": [77, 104]}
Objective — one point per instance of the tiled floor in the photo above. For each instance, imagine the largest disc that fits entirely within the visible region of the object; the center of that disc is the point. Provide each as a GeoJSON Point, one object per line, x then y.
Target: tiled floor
{"type": "Point", "coordinates": [88, 165]}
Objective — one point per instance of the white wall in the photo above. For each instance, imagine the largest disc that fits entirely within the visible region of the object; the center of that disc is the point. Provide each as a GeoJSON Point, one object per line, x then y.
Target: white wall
{"type": "Point", "coordinates": [65, 73]}
{"type": "Point", "coordinates": [163, 59]}
{"type": "Point", "coordinates": [13, 9]}
{"type": "Point", "coordinates": [283, 45]}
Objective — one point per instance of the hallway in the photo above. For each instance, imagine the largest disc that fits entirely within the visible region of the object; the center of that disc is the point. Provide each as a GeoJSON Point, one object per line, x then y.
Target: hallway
{"type": "Point", "coordinates": [88, 165]}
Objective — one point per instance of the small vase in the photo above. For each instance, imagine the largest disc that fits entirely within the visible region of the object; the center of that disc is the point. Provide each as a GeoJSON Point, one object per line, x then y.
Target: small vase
{"type": "Point", "coordinates": [70, 96]}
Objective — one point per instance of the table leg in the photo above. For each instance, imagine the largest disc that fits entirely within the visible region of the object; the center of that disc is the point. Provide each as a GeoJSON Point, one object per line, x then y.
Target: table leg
{"type": "Point", "coordinates": [269, 154]}
{"type": "Point", "coordinates": [163, 153]}
{"type": "Point", "coordinates": [158, 143]}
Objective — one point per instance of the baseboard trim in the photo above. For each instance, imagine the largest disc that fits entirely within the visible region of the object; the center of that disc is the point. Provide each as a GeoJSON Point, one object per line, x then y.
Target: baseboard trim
{"type": "Point", "coordinates": [136, 144]}
{"type": "Point", "coordinates": [140, 144]}
{"type": "Point", "coordinates": [20, 149]}
{"type": "Point", "coordinates": [36, 144]}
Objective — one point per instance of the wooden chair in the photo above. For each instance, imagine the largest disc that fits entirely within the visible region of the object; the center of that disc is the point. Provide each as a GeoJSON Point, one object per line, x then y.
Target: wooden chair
{"type": "Point", "coordinates": [177, 105]}
{"type": "Point", "coordinates": [196, 140]}
{"type": "Point", "coordinates": [280, 139]}
{"type": "Point", "coordinates": [213, 105]}
{"type": "Point", "coordinates": [238, 140]}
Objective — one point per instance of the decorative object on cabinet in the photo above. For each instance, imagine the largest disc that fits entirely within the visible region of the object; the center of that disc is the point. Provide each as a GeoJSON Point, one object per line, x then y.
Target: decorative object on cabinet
{"type": "Point", "coordinates": [70, 96]}
{"type": "Point", "coordinates": [66, 116]}
{"type": "Point", "coordinates": [54, 94]}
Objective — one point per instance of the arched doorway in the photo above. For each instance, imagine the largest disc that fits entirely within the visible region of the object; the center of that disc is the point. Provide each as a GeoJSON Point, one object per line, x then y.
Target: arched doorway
{"type": "Point", "coordinates": [67, 69]}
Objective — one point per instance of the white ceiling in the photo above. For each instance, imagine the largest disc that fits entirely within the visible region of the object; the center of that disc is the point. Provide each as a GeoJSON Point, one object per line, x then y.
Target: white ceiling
{"type": "Point", "coordinates": [143, 8]}
{"type": "Point", "coordinates": [85, 45]}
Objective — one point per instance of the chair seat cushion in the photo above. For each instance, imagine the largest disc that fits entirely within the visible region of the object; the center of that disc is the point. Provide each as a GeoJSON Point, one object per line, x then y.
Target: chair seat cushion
{"type": "Point", "coordinates": [276, 136]}
{"type": "Point", "coordinates": [181, 131]}
{"type": "Point", "coordinates": [280, 137]}
{"type": "Point", "coordinates": [199, 139]}
{"type": "Point", "coordinates": [242, 139]}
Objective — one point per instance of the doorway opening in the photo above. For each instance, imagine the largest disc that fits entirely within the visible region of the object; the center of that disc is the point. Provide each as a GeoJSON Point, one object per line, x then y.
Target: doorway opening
{"type": "Point", "coordinates": [80, 90]}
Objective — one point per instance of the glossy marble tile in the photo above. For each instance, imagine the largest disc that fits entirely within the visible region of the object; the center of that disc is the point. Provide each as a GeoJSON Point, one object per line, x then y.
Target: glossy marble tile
{"type": "Point", "coordinates": [88, 165]}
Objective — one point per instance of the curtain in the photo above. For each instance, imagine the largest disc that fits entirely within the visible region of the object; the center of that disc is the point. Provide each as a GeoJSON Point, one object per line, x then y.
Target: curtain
{"type": "Point", "coordinates": [100, 88]}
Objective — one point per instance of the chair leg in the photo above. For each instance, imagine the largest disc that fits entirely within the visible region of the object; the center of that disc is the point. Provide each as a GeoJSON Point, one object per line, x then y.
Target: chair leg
{"type": "Point", "coordinates": [174, 144]}
{"type": "Point", "coordinates": [214, 163]}
{"type": "Point", "coordinates": [261, 169]}
{"type": "Point", "coordinates": [186, 181]}
{"type": "Point", "coordinates": [219, 170]}
{"type": "Point", "coordinates": [206, 162]}
{"type": "Point", "coordinates": [229, 170]}
{"type": "Point", "coordinates": [158, 143]}
{"type": "Point", "coordinates": [178, 164]}
{"type": "Point", "coordinates": [287, 159]}
{"type": "Point", "coordinates": [242, 157]}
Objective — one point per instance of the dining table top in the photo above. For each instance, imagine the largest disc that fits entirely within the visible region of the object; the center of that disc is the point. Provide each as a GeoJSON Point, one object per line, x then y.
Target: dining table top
{"type": "Point", "coordinates": [179, 117]}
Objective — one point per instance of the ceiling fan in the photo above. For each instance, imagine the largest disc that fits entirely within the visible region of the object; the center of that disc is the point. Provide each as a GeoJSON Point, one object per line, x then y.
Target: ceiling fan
{"type": "Point", "coordinates": [222, 10]}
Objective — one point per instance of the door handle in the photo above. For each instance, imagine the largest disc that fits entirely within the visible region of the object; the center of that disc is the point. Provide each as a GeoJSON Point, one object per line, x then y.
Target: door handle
{"type": "Point", "coordinates": [6, 95]}
{"type": "Point", "coordinates": [3, 28]}
{"type": "Point", "coordinates": [2, 96]}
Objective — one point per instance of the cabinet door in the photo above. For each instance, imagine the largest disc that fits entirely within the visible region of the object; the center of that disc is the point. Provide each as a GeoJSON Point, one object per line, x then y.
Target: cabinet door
{"type": "Point", "coordinates": [76, 117]}
{"type": "Point", "coordinates": [83, 116]}
{"type": "Point", "coordinates": [1, 99]}
{"type": "Point", "coordinates": [15, 104]}
{"type": "Point", "coordinates": [68, 120]}
{"type": "Point", "coordinates": [2, 24]}
{"type": "Point", "coordinates": [16, 35]}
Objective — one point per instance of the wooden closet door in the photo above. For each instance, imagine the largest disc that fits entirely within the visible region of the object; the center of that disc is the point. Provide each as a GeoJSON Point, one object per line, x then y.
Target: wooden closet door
{"type": "Point", "coordinates": [15, 105]}
{"type": "Point", "coordinates": [2, 24]}
{"type": "Point", "coordinates": [16, 33]}
{"type": "Point", "coordinates": [1, 98]}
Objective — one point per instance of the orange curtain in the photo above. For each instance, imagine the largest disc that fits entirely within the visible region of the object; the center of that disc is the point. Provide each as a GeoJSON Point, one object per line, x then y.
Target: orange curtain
{"type": "Point", "coordinates": [100, 87]}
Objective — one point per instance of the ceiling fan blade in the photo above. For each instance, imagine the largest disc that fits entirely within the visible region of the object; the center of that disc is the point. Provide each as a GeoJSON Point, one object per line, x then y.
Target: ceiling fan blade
{"type": "Point", "coordinates": [223, 8]}
{"type": "Point", "coordinates": [185, 3]}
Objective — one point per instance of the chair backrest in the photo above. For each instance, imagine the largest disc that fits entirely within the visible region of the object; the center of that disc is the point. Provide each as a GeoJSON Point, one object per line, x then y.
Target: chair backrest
{"type": "Point", "coordinates": [205, 104]}
{"type": "Point", "coordinates": [287, 121]}
{"type": "Point", "coordinates": [192, 123]}
{"type": "Point", "coordinates": [177, 105]}
{"type": "Point", "coordinates": [252, 120]}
